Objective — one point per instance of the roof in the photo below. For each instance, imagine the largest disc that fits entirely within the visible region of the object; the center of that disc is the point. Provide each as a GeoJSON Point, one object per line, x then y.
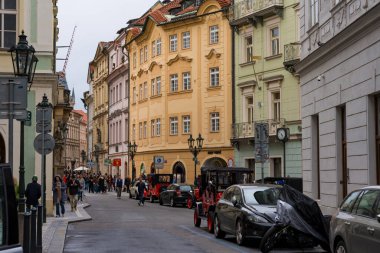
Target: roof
{"type": "Point", "coordinates": [166, 13]}
{"type": "Point", "coordinates": [82, 113]}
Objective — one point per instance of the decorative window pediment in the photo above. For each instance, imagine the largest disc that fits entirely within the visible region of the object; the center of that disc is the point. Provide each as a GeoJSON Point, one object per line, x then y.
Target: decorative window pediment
{"type": "Point", "coordinates": [154, 63]}
{"type": "Point", "coordinates": [177, 58]}
{"type": "Point", "coordinates": [211, 53]}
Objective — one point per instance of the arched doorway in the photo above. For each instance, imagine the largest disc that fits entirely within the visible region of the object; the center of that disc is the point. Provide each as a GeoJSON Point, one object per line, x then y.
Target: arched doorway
{"type": "Point", "coordinates": [2, 150]}
{"type": "Point", "coordinates": [179, 172]}
{"type": "Point", "coordinates": [142, 169]}
{"type": "Point", "coordinates": [215, 162]}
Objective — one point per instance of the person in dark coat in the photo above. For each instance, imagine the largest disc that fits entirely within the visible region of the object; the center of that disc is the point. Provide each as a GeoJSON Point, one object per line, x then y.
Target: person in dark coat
{"type": "Point", "coordinates": [59, 196]}
{"type": "Point", "coordinates": [127, 183]}
{"type": "Point", "coordinates": [73, 186]}
{"type": "Point", "coordinates": [119, 186]}
{"type": "Point", "coordinates": [141, 188]}
{"type": "Point", "coordinates": [32, 193]}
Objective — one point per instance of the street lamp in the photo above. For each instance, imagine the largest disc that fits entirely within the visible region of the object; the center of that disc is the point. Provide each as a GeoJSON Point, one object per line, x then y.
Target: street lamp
{"type": "Point", "coordinates": [132, 148]}
{"type": "Point", "coordinates": [24, 65]}
{"type": "Point", "coordinates": [195, 150]}
{"type": "Point", "coordinates": [83, 154]}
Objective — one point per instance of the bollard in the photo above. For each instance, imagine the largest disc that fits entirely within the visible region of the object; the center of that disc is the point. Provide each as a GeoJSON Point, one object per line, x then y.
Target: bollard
{"type": "Point", "coordinates": [39, 230]}
{"type": "Point", "coordinates": [33, 230]}
{"type": "Point", "coordinates": [26, 239]}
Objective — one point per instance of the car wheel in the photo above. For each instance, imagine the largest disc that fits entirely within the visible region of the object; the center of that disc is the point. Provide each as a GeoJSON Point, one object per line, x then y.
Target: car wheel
{"type": "Point", "coordinates": [160, 200]}
{"type": "Point", "coordinates": [340, 247]}
{"type": "Point", "coordinates": [197, 220]}
{"type": "Point", "coordinates": [151, 199]}
{"type": "Point", "coordinates": [189, 202]}
{"type": "Point", "coordinates": [217, 231]}
{"type": "Point", "coordinates": [240, 236]}
{"type": "Point", "coordinates": [172, 204]}
{"type": "Point", "coordinates": [210, 223]}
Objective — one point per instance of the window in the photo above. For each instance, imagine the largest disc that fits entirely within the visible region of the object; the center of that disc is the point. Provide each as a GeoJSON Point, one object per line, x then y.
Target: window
{"type": "Point", "coordinates": [367, 205]}
{"type": "Point", "coordinates": [314, 12]}
{"type": "Point", "coordinates": [140, 130]}
{"type": "Point", "coordinates": [134, 95]}
{"type": "Point", "coordinates": [186, 124]}
{"type": "Point", "coordinates": [141, 56]}
{"type": "Point", "coordinates": [152, 128]}
{"type": "Point", "coordinates": [276, 105]}
{"type": "Point", "coordinates": [248, 48]}
{"type": "Point", "coordinates": [214, 77]}
{"type": "Point", "coordinates": [134, 131]}
{"type": "Point", "coordinates": [145, 53]}
{"type": "Point", "coordinates": [214, 34]}
{"type": "Point", "coordinates": [145, 129]}
{"type": "Point", "coordinates": [158, 127]}
{"type": "Point", "coordinates": [173, 42]}
{"type": "Point", "coordinates": [186, 40]}
{"type": "Point", "coordinates": [111, 98]}
{"type": "Point", "coordinates": [8, 21]}
{"type": "Point", "coordinates": [126, 89]}
{"type": "Point", "coordinates": [158, 84]}
{"type": "Point", "coordinates": [173, 125]}
{"type": "Point", "coordinates": [145, 90]}
{"type": "Point", "coordinates": [134, 60]}
{"type": "Point", "coordinates": [120, 91]}
{"type": "Point", "coordinates": [214, 121]}
{"type": "Point", "coordinates": [158, 46]}
{"type": "Point", "coordinates": [153, 87]}
{"type": "Point", "coordinates": [173, 83]}
{"type": "Point", "coordinates": [141, 92]}
{"type": "Point", "coordinates": [153, 48]}
{"type": "Point", "coordinates": [275, 40]}
{"type": "Point", "coordinates": [186, 81]}
{"type": "Point", "coordinates": [249, 104]}
{"type": "Point", "coordinates": [349, 202]}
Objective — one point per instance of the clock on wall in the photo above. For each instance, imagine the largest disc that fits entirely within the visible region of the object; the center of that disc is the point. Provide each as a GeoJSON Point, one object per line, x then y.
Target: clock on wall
{"type": "Point", "coordinates": [283, 134]}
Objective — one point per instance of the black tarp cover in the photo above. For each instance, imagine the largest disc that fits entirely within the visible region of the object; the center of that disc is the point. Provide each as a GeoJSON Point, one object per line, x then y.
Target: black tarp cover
{"type": "Point", "coordinates": [309, 215]}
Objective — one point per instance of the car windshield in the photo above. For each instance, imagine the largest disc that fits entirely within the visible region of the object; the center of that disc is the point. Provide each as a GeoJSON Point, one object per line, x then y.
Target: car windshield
{"type": "Point", "coordinates": [185, 188]}
{"type": "Point", "coordinates": [261, 196]}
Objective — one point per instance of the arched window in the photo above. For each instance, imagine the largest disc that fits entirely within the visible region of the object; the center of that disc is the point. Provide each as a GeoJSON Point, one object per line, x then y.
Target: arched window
{"type": "Point", "coordinates": [179, 173]}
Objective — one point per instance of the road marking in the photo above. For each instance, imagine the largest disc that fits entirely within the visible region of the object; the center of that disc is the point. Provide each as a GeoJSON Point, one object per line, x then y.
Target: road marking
{"type": "Point", "coordinates": [228, 245]}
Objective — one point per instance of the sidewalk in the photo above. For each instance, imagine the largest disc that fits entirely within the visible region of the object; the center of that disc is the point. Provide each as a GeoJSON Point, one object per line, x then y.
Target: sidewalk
{"type": "Point", "coordinates": [54, 230]}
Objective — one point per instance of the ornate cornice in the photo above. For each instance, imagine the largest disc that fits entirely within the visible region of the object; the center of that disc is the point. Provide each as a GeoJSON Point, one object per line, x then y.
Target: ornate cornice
{"type": "Point", "coordinates": [154, 63]}
{"type": "Point", "coordinates": [211, 53]}
{"type": "Point", "coordinates": [177, 58]}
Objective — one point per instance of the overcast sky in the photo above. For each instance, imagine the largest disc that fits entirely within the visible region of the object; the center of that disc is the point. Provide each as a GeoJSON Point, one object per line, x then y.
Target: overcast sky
{"type": "Point", "coordinates": [96, 21]}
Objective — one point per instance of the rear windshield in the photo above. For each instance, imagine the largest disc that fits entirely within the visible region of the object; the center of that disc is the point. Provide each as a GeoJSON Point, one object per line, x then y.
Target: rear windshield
{"type": "Point", "coordinates": [185, 188]}
{"type": "Point", "coordinates": [261, 196]}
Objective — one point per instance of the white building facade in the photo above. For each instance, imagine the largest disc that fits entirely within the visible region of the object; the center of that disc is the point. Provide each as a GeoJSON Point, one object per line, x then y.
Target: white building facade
{"type": "Point", "coordinates": [340, 102]}
{"type": "Point", "coordinates": [118, 86]}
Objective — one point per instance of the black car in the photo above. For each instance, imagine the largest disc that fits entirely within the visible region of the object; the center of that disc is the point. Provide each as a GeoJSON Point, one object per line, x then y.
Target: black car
{"type": "Point", "coordinates": [175, 194]}
{"type": "Point", "coordinates": [246, 211]}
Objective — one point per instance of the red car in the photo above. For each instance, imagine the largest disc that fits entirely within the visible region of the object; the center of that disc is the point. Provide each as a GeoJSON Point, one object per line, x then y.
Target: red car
{"type": "Point", "coordinates": [156, 184]}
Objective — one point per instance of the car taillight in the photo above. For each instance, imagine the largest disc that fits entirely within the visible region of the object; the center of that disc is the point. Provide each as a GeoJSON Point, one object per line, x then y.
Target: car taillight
{"type": "Point", "coordinates": [178, 193]}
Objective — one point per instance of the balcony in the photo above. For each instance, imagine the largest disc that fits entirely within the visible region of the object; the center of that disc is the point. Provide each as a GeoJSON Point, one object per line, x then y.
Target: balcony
{"type": "Point", "coordinates": [246, 130]}
{"type": "Point", "coordinates": [254, 9]}
{"type": "Point", "coordinates": [292, 54]}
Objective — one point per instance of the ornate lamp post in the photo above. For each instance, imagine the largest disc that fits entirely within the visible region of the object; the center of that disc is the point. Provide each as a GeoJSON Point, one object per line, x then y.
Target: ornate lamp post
{"type": "Point", "coordinates": [132, 148]}
{"type": "Point", "coordinates": [24, 66]}
{"type": "Point", "coordinates": [195, 150]}
{"type": "Point", "coordinates": [83, 155]}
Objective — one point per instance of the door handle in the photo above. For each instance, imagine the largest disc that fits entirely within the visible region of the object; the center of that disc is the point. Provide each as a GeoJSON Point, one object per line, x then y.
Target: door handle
{"type": "Point", "coordinates": [347, 223]}
{"type": "Point", "coordinates": [370, 230]}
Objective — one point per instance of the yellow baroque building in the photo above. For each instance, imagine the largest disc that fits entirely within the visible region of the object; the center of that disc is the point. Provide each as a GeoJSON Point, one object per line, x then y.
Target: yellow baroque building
{"type": "Point", "coordinates": [180, 84]}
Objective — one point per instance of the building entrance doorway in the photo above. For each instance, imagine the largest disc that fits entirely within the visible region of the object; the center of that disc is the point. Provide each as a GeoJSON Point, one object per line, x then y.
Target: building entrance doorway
{"type": "Point", "coordinates": [179, 173]}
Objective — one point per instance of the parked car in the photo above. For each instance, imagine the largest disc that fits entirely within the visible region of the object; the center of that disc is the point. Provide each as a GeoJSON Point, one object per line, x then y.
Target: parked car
{"type": "Point", "coordinates": [133, 193]}
{"type": "Point", "coordinates": [355, 227]}
{"type": "Point", "coordinates": [246, 211]}
{"type": "Point", "coordinates": [175, 194]}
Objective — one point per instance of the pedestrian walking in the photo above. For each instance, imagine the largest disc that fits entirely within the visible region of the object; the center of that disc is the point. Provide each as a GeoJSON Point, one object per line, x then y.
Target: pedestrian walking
{"type": "Point", "coordinates": [119, 186]}
{"type": "Point", "coordinates": [81, 187]}
{"type": "Point", "coordinates": [59, 196]}
{"type": "Point", "coordinates": [32, 193]}
{"type": "Point", "coordinates": [73, 186]}
{"type": "Point", "coordinates": [141, 188]}
{"type": "Point", "coordinates": [127, 183]}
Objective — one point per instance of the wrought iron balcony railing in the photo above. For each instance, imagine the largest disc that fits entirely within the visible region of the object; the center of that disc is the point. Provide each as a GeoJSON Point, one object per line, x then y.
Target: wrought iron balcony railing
{"type": "Point", "coordinates": [247, 129]}
{"type": "Point", "coordinates": [292, 55]}
{"type": "Point", "coordinates": [257, 7]}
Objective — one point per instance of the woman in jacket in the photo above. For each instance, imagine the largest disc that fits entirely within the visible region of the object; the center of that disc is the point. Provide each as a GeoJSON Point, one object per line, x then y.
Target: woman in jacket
{"type": "Point", "coordinates": [59, 196]}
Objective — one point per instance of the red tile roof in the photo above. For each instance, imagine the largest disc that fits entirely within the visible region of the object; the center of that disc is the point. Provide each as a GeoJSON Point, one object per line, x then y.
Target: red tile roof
{"type": "Point", "coordinates": [83, 114]}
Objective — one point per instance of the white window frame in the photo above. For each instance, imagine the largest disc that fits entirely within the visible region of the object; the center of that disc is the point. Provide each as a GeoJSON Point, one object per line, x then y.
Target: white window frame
{"type": "Point", "coordinates": [140, 130]}
{"type": "Point", "coordinates": [314, 12]}
{"type": "Point", "coordinates": [145, 130]}
{"type": "Point", "coordinates": [158, 127]}
{"type": "Point", "coordinates": [248, 48]}
{"type": "Point", "coordinates": [158, 85]}
{"type": "Point", "coordinates": [173, 42]}
{"type": "Point", "coordinates": [174, 83]}
{"type": "Point", "coordinates": [158, 47]}
{"type": "Point", "coordinates": [140, 92]}
{"type": "Point", "coordinates": [153, 128]}
{"type": "Point", "coordinates": [274, 41]}
{"type": "Point", "coordinates": [214, 77]}
{"type": "Point", "coordinates": [145, 53]}
{"type": "Point", "coordinates": [153, 48]}
{"type": "Point", "coordinates": [214, 34]}
{"type": "Point", "coordinates": [186, 124]}
{"type": "Point", "coordinates": [186, 40]}
{"type": "Point", "coordinates": [214, 122]}
{"type": "Point", "coordinates": [173, 125]}
{"type": "Point", "coordinates": [3, 12]}
{"type": "Point", "coordinates": [275, 103]}
{"type": "Point", "coordinates": [153, 86]}
{"type": "Point", "coordinates": [186, 81]}
{"type": "Point", "coordinates": [141, 55]}
{"type": "Point", "coordinates": [134, 132]}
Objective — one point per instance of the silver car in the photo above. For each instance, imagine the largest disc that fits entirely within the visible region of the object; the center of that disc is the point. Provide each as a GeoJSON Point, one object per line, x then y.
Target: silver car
{"type": "Point", "coordinates": [355, 227]}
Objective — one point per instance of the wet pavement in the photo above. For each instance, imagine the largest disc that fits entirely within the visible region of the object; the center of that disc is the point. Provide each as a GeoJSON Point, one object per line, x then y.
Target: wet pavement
{"type": "Point", "coordinates": [120, 225]}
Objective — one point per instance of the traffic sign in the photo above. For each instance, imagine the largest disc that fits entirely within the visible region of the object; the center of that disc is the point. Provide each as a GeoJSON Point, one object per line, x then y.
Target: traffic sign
{"type": "Point", "coordinates": [44, 144]}
{"type": "Point", "coordinates": [43, 120]}
{"type": "Point", "coordinates": [90, 164]}
{"type": "Point", "coordinates": [159, 162]}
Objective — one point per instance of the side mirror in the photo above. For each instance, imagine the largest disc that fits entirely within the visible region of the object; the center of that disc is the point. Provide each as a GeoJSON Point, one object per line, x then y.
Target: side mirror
{"type": "Point", "coordinates": [378, 218]}
{"type": "Point", "coordinates": [234, 201]}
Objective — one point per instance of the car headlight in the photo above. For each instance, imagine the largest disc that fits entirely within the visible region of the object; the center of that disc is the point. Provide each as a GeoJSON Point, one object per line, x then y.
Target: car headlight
{"type": "Point", "coordinates": [257, 219]}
